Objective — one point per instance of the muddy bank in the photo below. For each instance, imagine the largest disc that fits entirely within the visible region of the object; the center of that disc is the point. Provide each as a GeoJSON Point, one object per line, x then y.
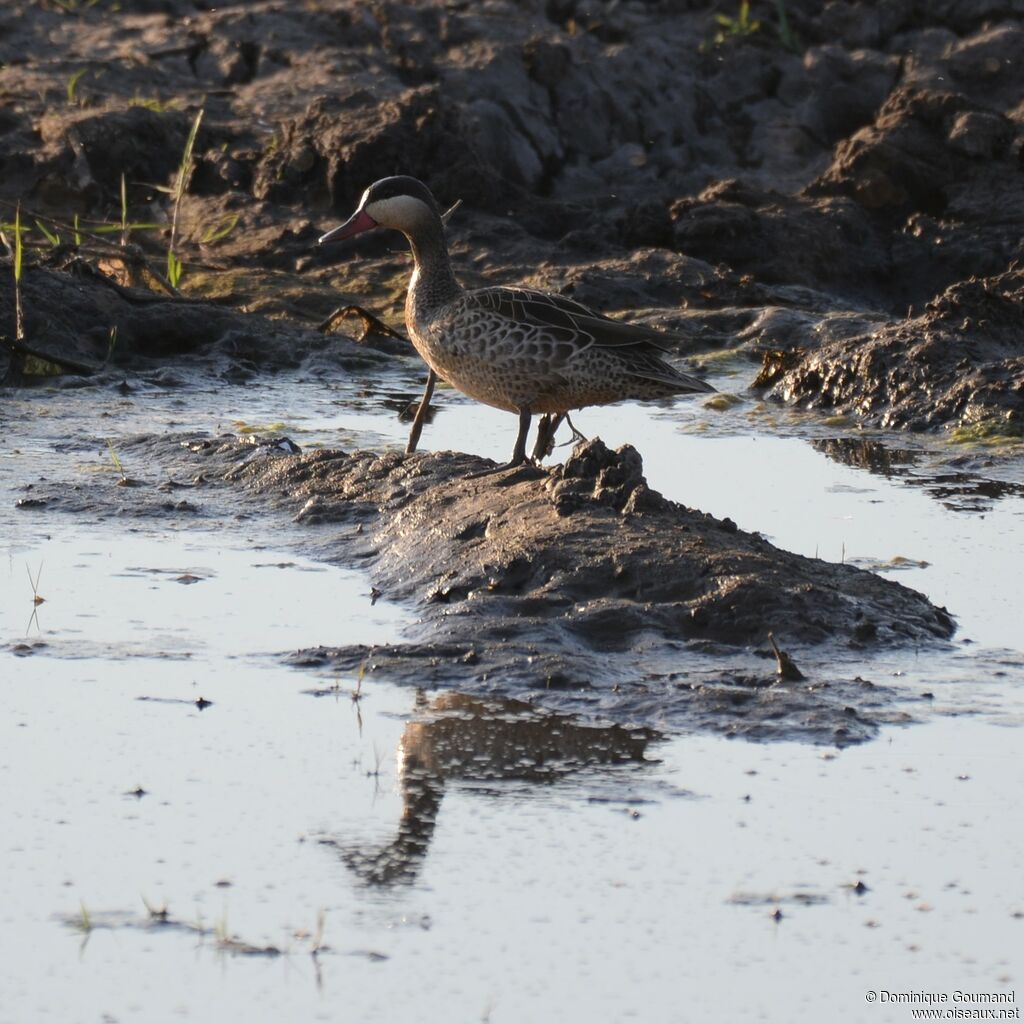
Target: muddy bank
{"type": "Point", "coordinates": [845, 164]}
{"type": "Point", "coordinates": [577, 584]}
{"type": "Point", "coordinates": [587, 546]}
{"type": "Point", "coordinates": [80, 321]}
{"type": "Point", "coordinates": [959, 364]}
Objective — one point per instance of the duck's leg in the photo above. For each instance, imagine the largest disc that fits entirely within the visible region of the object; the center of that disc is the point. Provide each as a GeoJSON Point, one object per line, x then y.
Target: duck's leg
{"type": "Point", "coordinates": [421, 414]}
{"type": "Point", "coordinates": [518, 452]}
{"type": "Point", "coordinates": [547, 425]}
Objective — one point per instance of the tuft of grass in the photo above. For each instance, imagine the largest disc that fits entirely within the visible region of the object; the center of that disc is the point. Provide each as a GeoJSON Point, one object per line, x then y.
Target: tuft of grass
{"type": "Point", "coordinates": [117, 463]}
{"type": "Point", "coordinates": [739, 27]}
{"type": "Point", "coordinates": [175, 268]}
{"type": "Point", "coordinates": [72, 86]}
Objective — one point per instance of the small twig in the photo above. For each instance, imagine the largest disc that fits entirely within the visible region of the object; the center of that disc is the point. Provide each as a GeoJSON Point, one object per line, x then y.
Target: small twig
{"type": "Point", "coordinates": [371, 324]}
{"type": "Point", "coordinates": [71, 365]}
{"type": "Point", "coordinates": [447, 215]}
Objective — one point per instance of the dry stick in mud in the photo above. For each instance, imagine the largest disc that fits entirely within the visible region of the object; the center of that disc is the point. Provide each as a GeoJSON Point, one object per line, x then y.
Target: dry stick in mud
{"type": "Point", "coordinates": [371, 324]}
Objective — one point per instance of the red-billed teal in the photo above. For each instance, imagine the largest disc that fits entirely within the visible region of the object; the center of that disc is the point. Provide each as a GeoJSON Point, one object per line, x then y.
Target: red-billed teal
{"type": "Point", "coordinates": [512, 348]}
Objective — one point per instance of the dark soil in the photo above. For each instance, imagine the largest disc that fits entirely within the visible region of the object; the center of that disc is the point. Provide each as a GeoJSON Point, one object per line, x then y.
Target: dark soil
{"type": "Point", "coordinates": [865, 160]}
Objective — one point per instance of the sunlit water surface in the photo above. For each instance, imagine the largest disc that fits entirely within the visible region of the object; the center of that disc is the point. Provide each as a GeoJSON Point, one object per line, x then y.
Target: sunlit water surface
{"type": "Point", "coordinates": [717, 880]}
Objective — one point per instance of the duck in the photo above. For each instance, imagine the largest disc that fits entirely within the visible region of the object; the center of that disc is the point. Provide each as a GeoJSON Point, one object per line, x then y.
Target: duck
{"type": "Point", "coordinates": [525, 351]}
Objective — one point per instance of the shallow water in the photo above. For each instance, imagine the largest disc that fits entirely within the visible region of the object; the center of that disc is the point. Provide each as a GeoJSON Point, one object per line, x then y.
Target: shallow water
{"type": "Point", "coordinates": [641, 891]}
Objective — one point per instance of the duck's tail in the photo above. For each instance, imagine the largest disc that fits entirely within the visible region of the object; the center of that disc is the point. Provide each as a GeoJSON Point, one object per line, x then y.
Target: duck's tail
{"type": "Point", "coordinates": [653, 368]}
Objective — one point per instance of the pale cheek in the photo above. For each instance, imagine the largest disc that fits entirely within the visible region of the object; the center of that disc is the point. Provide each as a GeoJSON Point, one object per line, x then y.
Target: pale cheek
{"type": "Point", "coordinates": [398, 211]}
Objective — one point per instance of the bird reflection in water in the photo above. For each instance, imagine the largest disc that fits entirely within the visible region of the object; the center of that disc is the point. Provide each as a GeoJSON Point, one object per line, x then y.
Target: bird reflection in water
{"type": "Point", "coordinates": [455, 738]}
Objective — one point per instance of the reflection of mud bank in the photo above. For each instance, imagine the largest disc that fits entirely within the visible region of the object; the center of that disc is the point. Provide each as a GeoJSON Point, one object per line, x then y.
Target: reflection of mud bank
{"type": "Point", "coordinates": [964, 489]}
{"type": "Point", "coordinates": [457, 738]}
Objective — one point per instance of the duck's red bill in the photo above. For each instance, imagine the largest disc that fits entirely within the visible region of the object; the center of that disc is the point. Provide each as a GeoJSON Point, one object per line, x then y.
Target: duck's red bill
{"type": "Point", "coordinates": [359, 221]}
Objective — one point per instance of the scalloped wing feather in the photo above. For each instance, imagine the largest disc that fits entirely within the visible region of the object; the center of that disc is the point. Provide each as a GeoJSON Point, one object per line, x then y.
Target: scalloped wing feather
{"type": "Point", "coordinates": [567, 317]}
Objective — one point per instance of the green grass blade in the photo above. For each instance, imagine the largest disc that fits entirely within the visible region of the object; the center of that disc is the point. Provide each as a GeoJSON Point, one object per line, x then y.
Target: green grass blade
{"type": "Point", "coordinates": [17, 243]}
{"type": "Point", "coordinates": [174, 265]}
{"type": "Point", "coordinates": [51, 236]}
{"type": "Point", "coordinates": [124, 212]}
{"type": "Point", "coordinates": [221, 229]}
{"type": "Point", "coordinates": [185, 170]}
{"type": "Point", "coordinates": [73, 84]}
{"type": "Point", "coordinates": [19, 317]}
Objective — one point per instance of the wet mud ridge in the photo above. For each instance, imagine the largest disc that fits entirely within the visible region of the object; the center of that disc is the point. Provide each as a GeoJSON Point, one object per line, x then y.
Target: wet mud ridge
{"type": "Point", "coordinates": [580, 581]}
{"type": "Point", "coordinates": [81, 320]}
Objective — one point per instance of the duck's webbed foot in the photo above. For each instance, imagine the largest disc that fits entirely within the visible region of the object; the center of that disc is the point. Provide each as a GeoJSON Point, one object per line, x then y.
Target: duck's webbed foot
{"type": "Point", "coordinates": [577, 435]}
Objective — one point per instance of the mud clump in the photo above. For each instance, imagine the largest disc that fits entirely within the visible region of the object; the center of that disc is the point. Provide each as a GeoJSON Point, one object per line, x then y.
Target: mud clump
{"type": "Point", "coordinates": [81, 319]}
{"type": "Point", "coordinates": [586, 547]}
{"type": "Point", "coordinates": [964, 353]}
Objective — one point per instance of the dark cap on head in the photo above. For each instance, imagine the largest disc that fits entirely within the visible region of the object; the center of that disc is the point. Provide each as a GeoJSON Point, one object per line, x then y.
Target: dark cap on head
{"type": "Point", "coordinates": [401, 185]}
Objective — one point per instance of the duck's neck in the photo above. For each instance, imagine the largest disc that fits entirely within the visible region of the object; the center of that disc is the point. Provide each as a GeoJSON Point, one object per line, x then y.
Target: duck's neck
{"type": "Point", "coordinates": [433, 284]}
